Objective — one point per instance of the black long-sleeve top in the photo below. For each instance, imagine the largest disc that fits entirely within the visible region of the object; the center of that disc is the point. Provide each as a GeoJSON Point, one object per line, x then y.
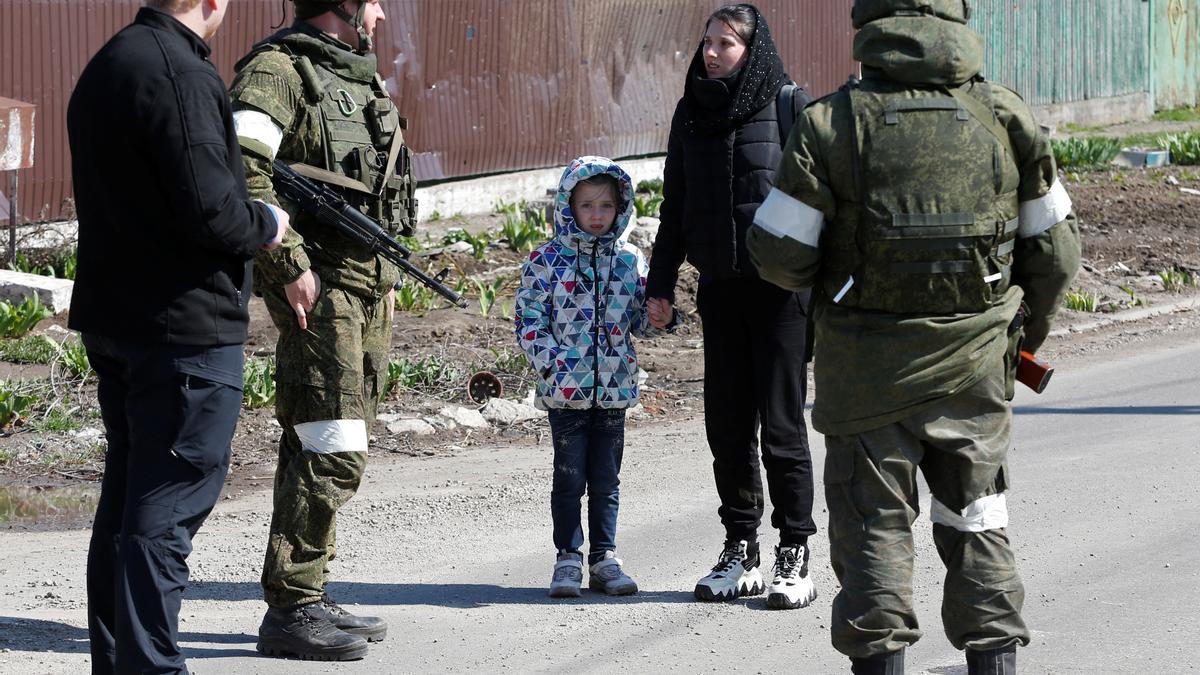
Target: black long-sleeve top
{"type": "Point", "coordinates": [166, 229]}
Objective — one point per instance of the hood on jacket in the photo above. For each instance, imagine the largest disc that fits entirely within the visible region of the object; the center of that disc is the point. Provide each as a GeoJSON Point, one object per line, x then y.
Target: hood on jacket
{"type": "Point", "coordinates": [579, 169]}
{"type": "Point", "coordinates": [717, 105]}
{"type": "Point", "coordinates": [924, 42]}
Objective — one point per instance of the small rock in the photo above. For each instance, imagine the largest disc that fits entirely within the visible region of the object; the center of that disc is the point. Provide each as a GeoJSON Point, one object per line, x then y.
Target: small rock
{"type": "Point", "coordinates": [464, 416]}
{"type": "Point", "coordinates": [459, 247]}
{"type": "Point", "coordinates": [441, 423]}
{"type": "Point", "coordinates": [505, 412]}
{"type": "Point", "coordinates": [89, 434]}
{"type": "Point", "coordinates": [388, 418]}
{"type": "Point", "coordinates": [418, 427]}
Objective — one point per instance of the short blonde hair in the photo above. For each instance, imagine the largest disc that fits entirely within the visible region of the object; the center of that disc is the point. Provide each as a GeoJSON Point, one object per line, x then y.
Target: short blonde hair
{"type": "Point", "coordinates": [172, 5]}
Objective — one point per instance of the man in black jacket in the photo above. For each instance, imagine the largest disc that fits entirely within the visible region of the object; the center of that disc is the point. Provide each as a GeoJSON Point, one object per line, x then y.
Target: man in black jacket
{"type": "Point", "coordinates": [166, 238]}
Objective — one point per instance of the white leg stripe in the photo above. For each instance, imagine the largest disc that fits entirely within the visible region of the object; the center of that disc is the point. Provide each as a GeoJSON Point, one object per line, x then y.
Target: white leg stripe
{"type": "Point", "coordinates": [985, 513]}
{"type": "Point", "coordinates": [1043, 213]}
{"type": "Point", "coordinates": [330, 436]}
{"type": "Point", "coordinates": [785, 216]}
{"type": "Point", "coordinates": [258, 126]}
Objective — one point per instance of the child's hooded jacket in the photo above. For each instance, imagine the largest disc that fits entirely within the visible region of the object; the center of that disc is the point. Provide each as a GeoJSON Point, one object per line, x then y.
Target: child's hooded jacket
{"type": "Point", "coordinates": [580, 298]}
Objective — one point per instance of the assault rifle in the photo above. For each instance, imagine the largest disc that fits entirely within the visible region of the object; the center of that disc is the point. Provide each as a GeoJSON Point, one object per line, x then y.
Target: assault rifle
{"type": "Point", "coordinates": [331, 209]}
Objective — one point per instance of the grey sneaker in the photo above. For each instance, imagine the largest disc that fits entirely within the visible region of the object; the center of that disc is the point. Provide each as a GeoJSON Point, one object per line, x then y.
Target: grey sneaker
{"type": "Point", "coordinates": [568, 576]}
{"type": "Point", "coordinates": [607, 577]}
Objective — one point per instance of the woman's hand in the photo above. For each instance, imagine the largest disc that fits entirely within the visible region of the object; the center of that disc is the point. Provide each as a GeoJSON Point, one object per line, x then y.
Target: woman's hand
{"type": "Point", "coordinates": [660, 311]}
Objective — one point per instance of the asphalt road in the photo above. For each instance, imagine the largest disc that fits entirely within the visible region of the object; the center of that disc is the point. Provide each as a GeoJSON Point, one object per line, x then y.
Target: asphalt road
{"type": "Point", "coordinates": [455, 552]}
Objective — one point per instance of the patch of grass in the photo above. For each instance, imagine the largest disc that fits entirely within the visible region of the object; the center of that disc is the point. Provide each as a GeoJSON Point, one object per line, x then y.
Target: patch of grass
{"type": "Point", "coordinates": [509, 361]}
{"type": "Point", "coordinates": [1176, 279]}
{"type": "Point", "coordinates": [1089, 152]}
{"type": "Point", "coordinates": [56, 419]}
{"type": "Point", "coordinates": [1073, 128]}
{"type": "Point", "coordinates": [1184, 148]}
{"type": "Point", "coordinates": [1178, 115]}
{"type": "Point", "coordinates": [1083, 301]}
{"type": "Point", "coordinates": [29, 349]}
{"type": "Point", "coordinates": [258, 377]}
{"type": "Point", "coordinates": [435, 216]}
{"type": "Point", "coordinates": [1142, 140]}
{"type": "Point", "coordinates": [1134, 300]}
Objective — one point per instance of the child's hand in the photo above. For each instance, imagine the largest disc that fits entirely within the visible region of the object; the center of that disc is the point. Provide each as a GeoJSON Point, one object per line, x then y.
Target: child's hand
{"type": "Point", "coordinates": [660, 311]}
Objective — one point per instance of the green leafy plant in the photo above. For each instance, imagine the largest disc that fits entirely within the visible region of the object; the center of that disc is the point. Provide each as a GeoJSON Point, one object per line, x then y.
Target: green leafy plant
{"type": "Point", "coordinates": [258, 377]}
{"type": "Point", "coordinates": [509, 361]}
{"type": "Point", "coordinates": [1087, 152]}
{"type": "Point", "coordinates": [524, 231]}
{"type": "Point", "coordinates": [648, 197]}
{"type": "Point", "coordinates": [488, 291]}
{"type": "Point", "coordinates": [479, 242]}
{"type": "Point", "coordinates": [73, 358]}
{"type": "Point", "coordinates": [1083, 301]}
{"type": "Point", "coordinates": [425, 372]}
{"type": "Point", "coordinates": [59, 264]}
{"type": "Point", "coordinates": [29, 349]}
{"type": "Point", "coordinates": [1134, 300]}
{"type": "Point", "coordinates": [415, 297]}
{"type": "Point", "coordinates": [1175, 279]}
{"type": "Point", "coordinates": [14, 403]}
{"type": "Point", "coordinates": [1184, 148]}
{"type": "Point", "coordinates": [18, 320]}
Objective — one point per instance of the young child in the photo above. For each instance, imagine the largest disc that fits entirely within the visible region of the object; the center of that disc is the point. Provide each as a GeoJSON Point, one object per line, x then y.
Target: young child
{"type": "Point", "coordinates": [582, 294]}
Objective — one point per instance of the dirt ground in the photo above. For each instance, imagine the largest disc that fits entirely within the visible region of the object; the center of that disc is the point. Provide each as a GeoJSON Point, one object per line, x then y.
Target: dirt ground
{"type": "Point", "coordinates": [1135, 224]}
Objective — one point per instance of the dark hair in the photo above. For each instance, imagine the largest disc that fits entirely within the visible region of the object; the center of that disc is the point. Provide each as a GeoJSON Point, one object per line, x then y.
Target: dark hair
{"type": "Point", "coordinates": [605, 179]}
{"type": "Point", "coordinates": [740, 17]}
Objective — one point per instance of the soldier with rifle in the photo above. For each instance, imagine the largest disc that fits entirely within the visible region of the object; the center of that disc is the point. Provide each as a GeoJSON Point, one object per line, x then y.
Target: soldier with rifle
{"type": "Point", "coordinates": [310, 96]}
{"type": "Point", "coordinates": [922, 207]}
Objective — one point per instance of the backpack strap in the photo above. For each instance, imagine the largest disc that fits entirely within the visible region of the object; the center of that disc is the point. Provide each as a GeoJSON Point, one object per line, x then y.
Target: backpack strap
{"type": "Point", "coordinates": [785, 110]}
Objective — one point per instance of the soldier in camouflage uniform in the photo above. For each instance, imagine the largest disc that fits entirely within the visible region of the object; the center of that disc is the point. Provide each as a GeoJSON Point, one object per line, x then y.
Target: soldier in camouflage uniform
{"type": "Point", "coordinates": [310, 95]}
{"type": "Point", "coordinates": [922, 206]}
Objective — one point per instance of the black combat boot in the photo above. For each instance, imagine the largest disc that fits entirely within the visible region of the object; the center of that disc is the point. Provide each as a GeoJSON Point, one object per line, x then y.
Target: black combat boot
{"type": "Point", "coordinates": [882, 664]}
{"type": "Point", "coordinates": [1001, 661]}
{"type": "Point", "coordinates": [303, 632]}
{"type": "Point", "coordinates": [373, 628]}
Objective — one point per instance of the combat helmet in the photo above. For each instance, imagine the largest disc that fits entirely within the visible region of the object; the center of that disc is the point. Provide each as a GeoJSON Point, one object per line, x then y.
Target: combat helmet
{"type": "Point", "coordinates": [306, 9]}
{"type": "Point", "coordinates": [866, 11]}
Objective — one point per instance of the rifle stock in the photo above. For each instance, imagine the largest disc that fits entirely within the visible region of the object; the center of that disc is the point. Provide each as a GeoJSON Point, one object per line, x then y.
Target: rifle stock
{"type": "Point", "coordinates": [331, 209]}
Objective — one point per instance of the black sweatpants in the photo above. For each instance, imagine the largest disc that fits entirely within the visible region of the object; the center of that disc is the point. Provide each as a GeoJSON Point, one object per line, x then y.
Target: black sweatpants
{"type": "Point", "coordinates": [169, 414]}
{"type": "Point", "coordinates": [755, 380]}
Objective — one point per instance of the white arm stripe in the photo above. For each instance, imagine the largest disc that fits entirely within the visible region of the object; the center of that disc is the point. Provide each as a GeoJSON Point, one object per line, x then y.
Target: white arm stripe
{"type": "Point", "coordinates": [985, 513]}
{"type": "Point", "coordinates": [1043, 213]}
{"type": "Point", "coordinates": [785, 216]}
{"type": "Point", "coordinates": [330, 436]}
{"type": "Point", "coordinates": [258, 126]}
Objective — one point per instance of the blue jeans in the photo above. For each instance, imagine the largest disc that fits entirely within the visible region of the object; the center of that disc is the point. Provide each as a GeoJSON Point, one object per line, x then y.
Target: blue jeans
{"type": "Point", "coordinates": [588, 445]}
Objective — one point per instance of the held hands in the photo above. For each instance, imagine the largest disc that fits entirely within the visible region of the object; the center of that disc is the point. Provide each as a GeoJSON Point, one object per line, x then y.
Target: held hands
{"type": "Point", "coordinates": [660, 311]}
{"type": "Point", "coordinates": [302, 295]}
{"type": "Point", "coordinates": [282, 222]}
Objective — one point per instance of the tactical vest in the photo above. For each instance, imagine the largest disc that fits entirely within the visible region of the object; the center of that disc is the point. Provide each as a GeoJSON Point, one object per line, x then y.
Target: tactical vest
{"type": "Point", "coordinates": [932, 222]}
{"type": "Point", "coordinates": [364, 149]}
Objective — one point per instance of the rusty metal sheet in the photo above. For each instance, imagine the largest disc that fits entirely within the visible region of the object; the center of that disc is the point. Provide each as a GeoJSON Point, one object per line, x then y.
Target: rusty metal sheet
{"type": "Point", "coordinates": [16, 134]}
{"type": "Point", "coordinates": [488, 86]}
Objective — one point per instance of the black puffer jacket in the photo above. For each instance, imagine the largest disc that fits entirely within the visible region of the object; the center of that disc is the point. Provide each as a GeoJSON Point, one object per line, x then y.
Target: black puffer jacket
{"type": "Point", "coordinates": [712, 185]}
{"type": "Point", "coordinates": [721, 161]}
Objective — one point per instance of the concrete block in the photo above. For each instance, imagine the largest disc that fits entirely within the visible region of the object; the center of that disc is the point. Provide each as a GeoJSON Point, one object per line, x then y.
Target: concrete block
{"type": "Point", "coordinates": [54, 293]}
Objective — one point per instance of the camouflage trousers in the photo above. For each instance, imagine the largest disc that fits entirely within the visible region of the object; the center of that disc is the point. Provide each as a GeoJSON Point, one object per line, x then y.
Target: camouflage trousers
{"type": "Point", "coordinates": [326, 400]}
{"type": "Point", "coordinates": [960, 445]}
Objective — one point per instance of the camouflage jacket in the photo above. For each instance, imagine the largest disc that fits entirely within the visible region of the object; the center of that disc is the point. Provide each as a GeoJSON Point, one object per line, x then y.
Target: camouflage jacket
{"type": "Point", "coordinates": [876, 367]}
{"type": "Point", "coordinates": [280, 93]}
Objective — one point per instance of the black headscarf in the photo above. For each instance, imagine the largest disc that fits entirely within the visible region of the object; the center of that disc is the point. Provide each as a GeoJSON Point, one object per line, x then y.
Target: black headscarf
{"type": "Point", "coordinates": [718, 105]}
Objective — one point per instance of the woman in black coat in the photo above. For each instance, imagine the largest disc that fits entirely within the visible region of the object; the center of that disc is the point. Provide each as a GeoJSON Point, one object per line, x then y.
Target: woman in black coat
{"type": "Point", "coordinates": [724, 148]}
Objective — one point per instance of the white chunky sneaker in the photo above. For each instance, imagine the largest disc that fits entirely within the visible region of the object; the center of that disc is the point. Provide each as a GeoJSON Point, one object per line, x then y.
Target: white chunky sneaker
{"type": "Point", "coordinates": [607, 577]}
{"type": "Point", "coordinates": [734, 575]}
{"type": "Point", "coordinates": [568, 576]}
{"type": "Point", "coordinates": [791, 587]}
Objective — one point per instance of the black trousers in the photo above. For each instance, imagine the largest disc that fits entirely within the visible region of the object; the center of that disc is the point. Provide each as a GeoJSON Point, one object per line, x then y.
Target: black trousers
{"type": "Point", "coordinates": [755, 381]}
{"type": "Point", "coordinates": [169, 413]}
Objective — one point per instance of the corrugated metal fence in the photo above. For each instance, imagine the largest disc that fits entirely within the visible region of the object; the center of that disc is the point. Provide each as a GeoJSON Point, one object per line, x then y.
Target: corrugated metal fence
{"type": "Point", "coordinates": [489, 86]}
{"type": "Point", "coordinates": [1058, 51]}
